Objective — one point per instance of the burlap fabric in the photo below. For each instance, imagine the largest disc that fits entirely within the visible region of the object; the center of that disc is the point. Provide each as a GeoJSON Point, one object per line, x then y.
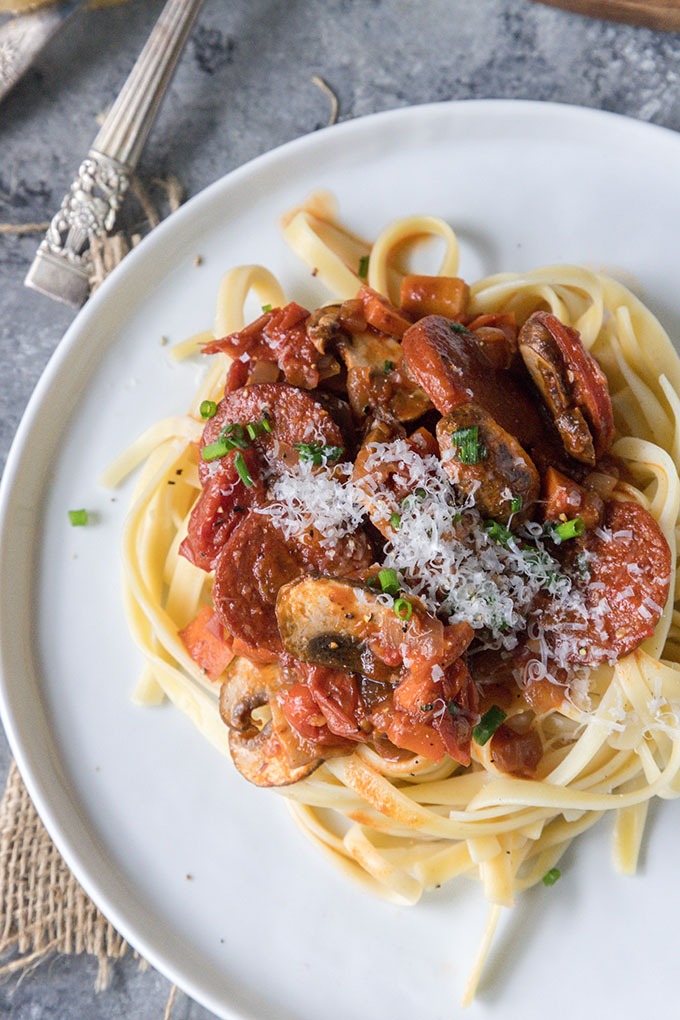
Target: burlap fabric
{"type": "Point", "coordinates": [43, 910]}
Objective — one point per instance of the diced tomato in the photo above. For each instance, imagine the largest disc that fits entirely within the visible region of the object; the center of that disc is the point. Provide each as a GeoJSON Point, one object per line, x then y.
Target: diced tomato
{"type": "Point", "coordinates": [381, 313]}
{"type": "Point", "coordinates": [304, 715]}
{"type": "Point", "coordinates": [237, 376]}
{"type": "Point", "coordinates": [455, 732]}
{"type": "Point", "coordinates": [337, 695]}
{"type": "Point", "coordinates": [457, 637]}
{"type": "Point", "coordinates": [306, 718]}
{"type": "Point", "coordinates": [565, 498]}
{"type": "Point", "coordinates": [279, 336]}
{"type": "Point", "coordinates": [434, 295]}
{"type": "Point", "coordinates": [503, 321]}
{"type": "Point", "coordinates": [252, 652]}
{"type": "Point", "coordinates": [409, 733]}
{"type": "Point", "coordinates": [516, 753]}
{"type": "Point", "coordinates": [424, 442]}
{"type": "Point", "coordinates": [212, 653]}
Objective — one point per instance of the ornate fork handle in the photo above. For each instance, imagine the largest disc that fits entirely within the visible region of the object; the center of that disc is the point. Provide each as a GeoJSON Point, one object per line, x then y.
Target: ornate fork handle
{"type": "Point", "coordinates": [62, 265]}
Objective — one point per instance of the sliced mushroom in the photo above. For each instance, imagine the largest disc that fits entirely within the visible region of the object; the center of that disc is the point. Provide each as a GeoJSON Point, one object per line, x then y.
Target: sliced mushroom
{"type": "Point", "coordinates": [328, 621]}
{"type": "Point", "coordinates": [572, 385]}
{"type": "Point", "coordinates": [376, 378]}
{"type": "Point", "coordinates": [486, 462]}
{"type": "Point", "coordinates": [325, 328]}
{"type": "Point", "coordinates": [265, 752]}
{"type": "Point", "coordinates": [335, 622]}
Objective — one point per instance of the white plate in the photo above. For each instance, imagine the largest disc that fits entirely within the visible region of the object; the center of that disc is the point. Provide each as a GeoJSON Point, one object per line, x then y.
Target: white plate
{"type": "Point", "coordinates": [205, 875]}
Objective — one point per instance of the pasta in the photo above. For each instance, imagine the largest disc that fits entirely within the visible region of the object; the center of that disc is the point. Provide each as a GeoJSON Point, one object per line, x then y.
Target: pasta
{"type": "Point", "coordinates": [610, 743]}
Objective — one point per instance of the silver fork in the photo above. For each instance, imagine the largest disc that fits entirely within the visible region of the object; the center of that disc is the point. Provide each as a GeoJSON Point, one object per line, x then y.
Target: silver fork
{"type": "Point", "coordinates": [62, 266]}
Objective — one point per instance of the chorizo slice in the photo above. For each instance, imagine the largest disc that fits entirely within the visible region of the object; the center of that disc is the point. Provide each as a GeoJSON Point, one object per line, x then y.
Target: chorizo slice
{"type": "Point", "coordinates": [445, 359]}
{"type": "Point", "coordinates": [234, 483]}
{"type": "Point", "coordinates": [257, 561]}
{"type": "Point", "coordinates": [250, 568]}
{"type": "Point", "coordinates": [486, 462]}
{"type": "Point", "coordinates": [628, 563]}
{"type": "Point", "coordinates": [292, 416]}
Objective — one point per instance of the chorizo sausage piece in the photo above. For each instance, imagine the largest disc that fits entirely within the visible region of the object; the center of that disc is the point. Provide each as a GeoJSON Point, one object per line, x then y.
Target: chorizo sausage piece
{"type": "Point", "coordinates": [497, 471]}
{"type": "Point", "coordinates": [628, 563]}
{"type": "Point", "coordinates": [222, 505]}
{"type": "Point", "coordinates": [257, 561]}
{"type": "Point", "coordinates": [293, 417]}
{"type": "Point", "coordinates": [251, 567]}
{"type": "Point", "coordinates": [447, 362]}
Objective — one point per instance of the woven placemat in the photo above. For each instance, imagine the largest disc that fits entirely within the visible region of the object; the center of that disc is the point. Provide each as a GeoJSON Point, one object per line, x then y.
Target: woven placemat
{"type": "Point", "coordinates": [43, 910]}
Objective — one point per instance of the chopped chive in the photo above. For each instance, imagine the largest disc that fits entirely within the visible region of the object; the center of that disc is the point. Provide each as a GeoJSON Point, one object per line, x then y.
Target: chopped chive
{"type": "Point", "coordinates": [242, 469]}
{"type": "Point", "coordinates": [78, 518]}
{"type": "Point", "coordinates": [426, 708]}
{"type": "Point", "coordinates": [372, 581]}
{"type": "Point", "coordinates": [516, 504]}
{"type": "Point", "coordinates": [208, 409]}
{"type": "Point", "coordinates": [266, 308]}
{"type": "Point", "coordinates": [265, 422]}
{"type": "Point", "coordinates": [468, 449]}
{"type": "Point", "coordinates": [570, 529]}
{"type": "Point", "coordinates": [389, 581]}
{"type": "Point", "coordinates": [388, 366]}
{"type": "Point", "coordinates": [403, 609]}
{"type": "Point", "coordinates": [316, 454]}
{"type": "Point", "coordinates": [452, 707]}
{"type": "Point", "coordinates": [395, 520]}
{"type": "Point", "coordinates": [234, 436]}
{"type": "Point", "coordinates": [498, 532]}
{"type": "Point", "coordinates": [417, 495]}
{"type": "Point", "coordinates": [363, 267]}
{"type": "Point", "coordinates": [552, 876]}
{"type": "Point", "coordinates": [213, 451]}
{"type": "Point", "coordinates": [458, 327]}
{"type": "Point", "coordinates": [488, 724]}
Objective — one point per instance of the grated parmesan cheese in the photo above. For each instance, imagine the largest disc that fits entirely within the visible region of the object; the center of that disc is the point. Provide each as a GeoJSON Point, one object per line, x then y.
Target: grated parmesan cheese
{"type": "Point", "coordinates": [443, 553]}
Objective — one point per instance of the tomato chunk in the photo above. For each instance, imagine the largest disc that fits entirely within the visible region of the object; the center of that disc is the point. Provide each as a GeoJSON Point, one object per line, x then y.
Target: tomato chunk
{"type": "Point", "coordinates": [205, 645]}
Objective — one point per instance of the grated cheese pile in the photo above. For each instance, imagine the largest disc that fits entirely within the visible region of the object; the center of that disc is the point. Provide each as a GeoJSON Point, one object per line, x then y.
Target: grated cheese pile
{"type": "Point", "coordinates": [443, 553]}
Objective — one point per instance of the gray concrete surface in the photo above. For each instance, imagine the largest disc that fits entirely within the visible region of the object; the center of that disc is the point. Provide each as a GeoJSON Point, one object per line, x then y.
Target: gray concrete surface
{"type": "Point", "coordinates": [244, 86]}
